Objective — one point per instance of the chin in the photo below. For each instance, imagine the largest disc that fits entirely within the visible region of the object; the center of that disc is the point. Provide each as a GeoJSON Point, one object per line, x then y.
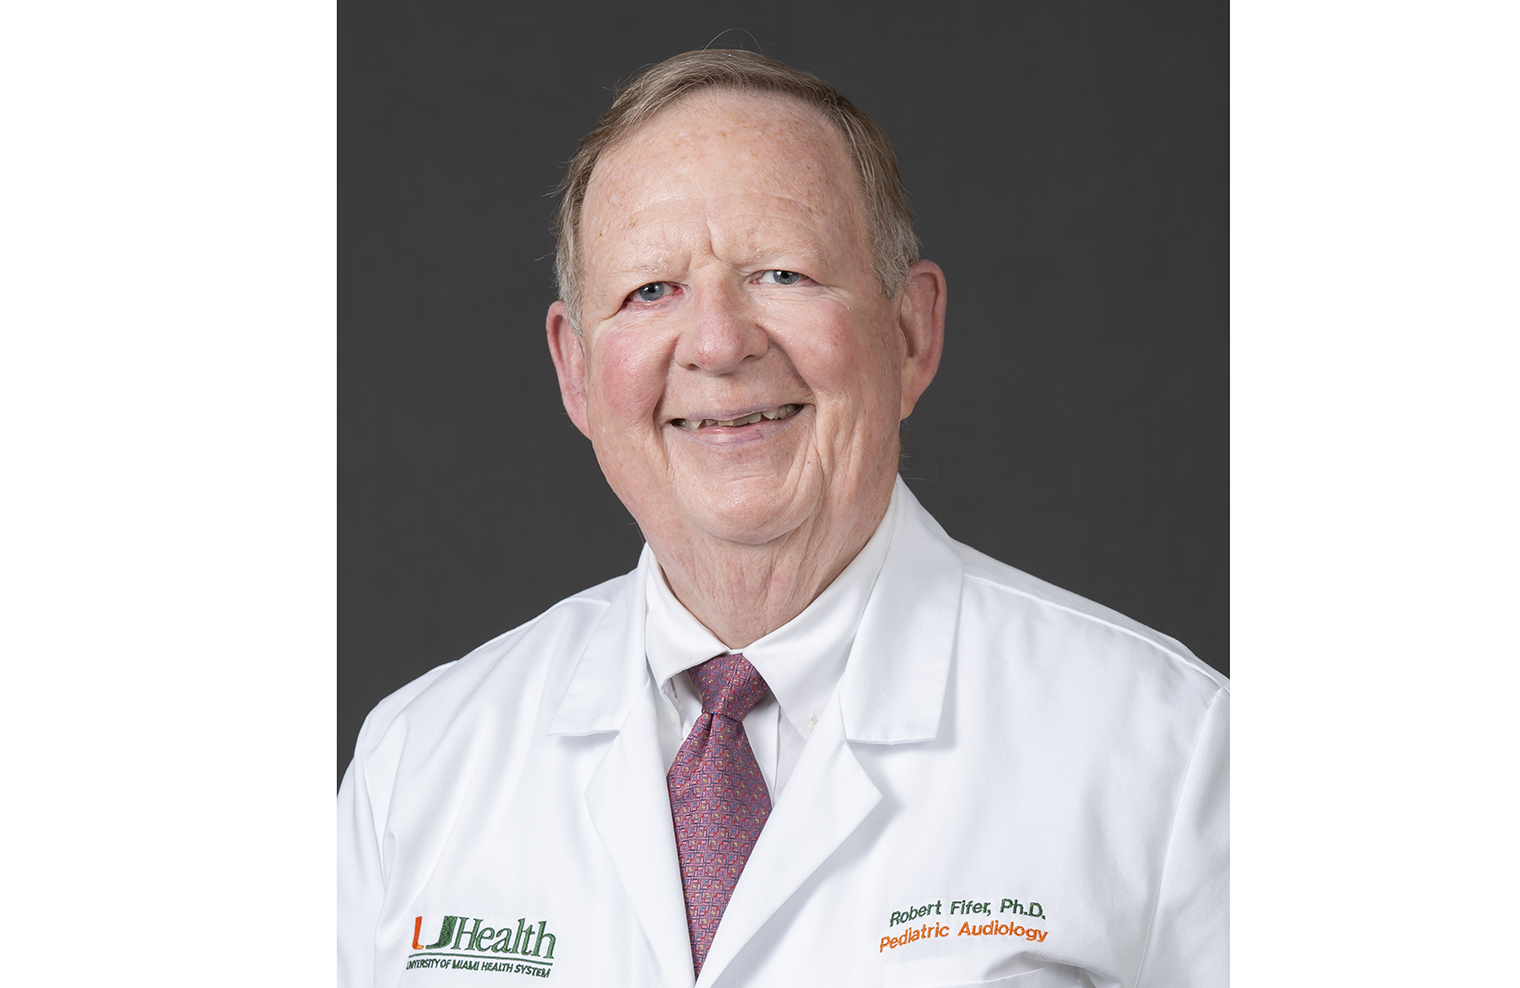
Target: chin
{"type": "Point", "coordinates": [754, 514]}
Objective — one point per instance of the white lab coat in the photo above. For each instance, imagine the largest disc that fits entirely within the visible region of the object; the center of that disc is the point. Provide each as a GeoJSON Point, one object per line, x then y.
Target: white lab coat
{"type": "Point", "coordinates": [1013, 786]}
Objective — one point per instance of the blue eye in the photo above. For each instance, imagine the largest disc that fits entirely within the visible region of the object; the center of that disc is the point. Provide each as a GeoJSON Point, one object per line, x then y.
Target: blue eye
{"type": "Point", "coordinates": [652, 292]}
{"type": "Point", "coordinates": [782, 277]}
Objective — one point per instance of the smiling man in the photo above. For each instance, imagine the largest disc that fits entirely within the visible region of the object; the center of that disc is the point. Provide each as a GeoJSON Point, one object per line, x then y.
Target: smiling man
{"type": "Point", "coordinates": [810, 739]}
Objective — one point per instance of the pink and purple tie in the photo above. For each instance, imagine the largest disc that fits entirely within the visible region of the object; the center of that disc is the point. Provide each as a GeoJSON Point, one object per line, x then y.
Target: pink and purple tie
{"type": "Point", "coordinates": [718, 797]}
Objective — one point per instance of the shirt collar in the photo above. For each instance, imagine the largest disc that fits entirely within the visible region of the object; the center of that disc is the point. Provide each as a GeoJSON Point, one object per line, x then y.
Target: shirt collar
{"type": "Point", "coordinates": [802, 660]}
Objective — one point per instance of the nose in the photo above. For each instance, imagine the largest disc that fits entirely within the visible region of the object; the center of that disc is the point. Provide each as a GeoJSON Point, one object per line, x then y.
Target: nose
{"type": "Point", "coordinates": [722, 333]}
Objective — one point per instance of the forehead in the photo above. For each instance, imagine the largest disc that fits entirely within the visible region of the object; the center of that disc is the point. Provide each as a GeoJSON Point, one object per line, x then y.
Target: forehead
{"type": "Point", "coordinates": [717, 146]}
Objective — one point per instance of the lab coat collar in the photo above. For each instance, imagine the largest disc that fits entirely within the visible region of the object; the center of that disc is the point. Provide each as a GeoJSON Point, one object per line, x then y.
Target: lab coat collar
{"type": "Point", "coordinates": [611, 673]}
{"type": "Point", "coordinates": [893, 688]}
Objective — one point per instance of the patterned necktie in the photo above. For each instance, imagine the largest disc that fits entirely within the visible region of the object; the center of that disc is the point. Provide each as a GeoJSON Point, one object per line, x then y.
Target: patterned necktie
{"type": "Point", "coordinates": [718, 797]}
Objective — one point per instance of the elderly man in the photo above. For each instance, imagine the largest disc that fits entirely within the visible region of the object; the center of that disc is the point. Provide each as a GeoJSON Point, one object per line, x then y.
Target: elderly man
{"type": "Point", "coordinates": [810, 740]}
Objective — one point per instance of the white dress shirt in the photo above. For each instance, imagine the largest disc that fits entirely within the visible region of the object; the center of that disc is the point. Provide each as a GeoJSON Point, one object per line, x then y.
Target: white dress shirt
{"type": "Point", "coordinates": [801, 661]}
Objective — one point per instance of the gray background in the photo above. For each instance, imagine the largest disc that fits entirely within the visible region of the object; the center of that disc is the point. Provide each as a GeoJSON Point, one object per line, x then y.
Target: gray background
{"type": "Point", "coordinates": [1068, 164]}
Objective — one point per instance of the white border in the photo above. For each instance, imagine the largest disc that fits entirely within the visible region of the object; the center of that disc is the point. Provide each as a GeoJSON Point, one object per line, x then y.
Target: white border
{"type": "Point", "coordinates": [1373, 491]}
{"type": "Point", "coordinates": [166, 384]}
{"type": "Point", "coordinates": [167, 373]}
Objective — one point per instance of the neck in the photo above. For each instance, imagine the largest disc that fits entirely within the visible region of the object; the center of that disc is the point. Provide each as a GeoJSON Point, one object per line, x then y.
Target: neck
{"type": "Point", "coordinates": [742, 593]}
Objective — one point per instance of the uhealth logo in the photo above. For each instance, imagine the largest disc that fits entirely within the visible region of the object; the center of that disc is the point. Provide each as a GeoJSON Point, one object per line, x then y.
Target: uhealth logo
{"type": "Point", "coordinates": [465, 942]}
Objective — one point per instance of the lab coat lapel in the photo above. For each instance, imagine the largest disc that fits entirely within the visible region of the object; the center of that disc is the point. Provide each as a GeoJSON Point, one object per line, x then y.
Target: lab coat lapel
{"type": "Point", "coordinates": [626, 797]}
{"type": "Point", "coordinates": [630, 809]}
{"type": "Point", "coordinates": [892, 692]}
{"type": "Point", "coordinates": [828, 796]}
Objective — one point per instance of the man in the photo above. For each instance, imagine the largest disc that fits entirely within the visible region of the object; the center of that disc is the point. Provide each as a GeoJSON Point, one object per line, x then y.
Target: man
{"type": "Point", "coordinates": [810, 739]}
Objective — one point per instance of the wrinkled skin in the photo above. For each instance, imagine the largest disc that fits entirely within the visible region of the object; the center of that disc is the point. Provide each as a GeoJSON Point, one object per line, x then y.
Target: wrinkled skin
{"type": "Point", "coordinates": [726, 271]}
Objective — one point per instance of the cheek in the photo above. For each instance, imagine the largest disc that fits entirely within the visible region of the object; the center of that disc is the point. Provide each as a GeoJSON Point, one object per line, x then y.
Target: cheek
{"type": "Point", "coordinates": [625, 380]}
{"type": "Point", "coordinates": [850, 361]}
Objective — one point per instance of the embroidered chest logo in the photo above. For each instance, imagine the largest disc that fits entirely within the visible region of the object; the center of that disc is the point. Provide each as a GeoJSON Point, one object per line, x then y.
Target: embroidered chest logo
{"type": "Point", "coordinates": [465, 943]}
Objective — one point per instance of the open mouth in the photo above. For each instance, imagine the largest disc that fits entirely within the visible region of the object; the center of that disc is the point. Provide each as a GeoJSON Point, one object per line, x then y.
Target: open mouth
{"type": "Point", "coordinates": [771, 414]}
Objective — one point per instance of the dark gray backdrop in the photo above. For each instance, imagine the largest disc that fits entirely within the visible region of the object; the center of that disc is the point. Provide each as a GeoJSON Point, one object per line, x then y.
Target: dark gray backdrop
{"type": "Point", "coordinates": [1068, 166]}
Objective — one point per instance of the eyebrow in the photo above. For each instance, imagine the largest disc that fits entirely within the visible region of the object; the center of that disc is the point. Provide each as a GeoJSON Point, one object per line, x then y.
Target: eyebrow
{"type": "Point", "coordinates": [646, 256]}
{"type": "Point", "coordinates": [651, 254]}
{"type": "Point", "coordinates": [663, 261]}
{"type": "Point", "coordinates": [805, 252]}
{"type": "Point", "coordinates": [647, 267]}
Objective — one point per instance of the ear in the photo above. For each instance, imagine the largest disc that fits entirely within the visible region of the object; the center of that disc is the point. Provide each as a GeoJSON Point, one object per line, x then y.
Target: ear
{"type": "Point", "coordinates": [921, 318]}
{"type": "Point", "coordinates": [569, 363]}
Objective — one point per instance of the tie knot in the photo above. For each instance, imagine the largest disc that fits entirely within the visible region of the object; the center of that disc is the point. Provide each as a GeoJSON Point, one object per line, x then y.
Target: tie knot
{"type": "Point", "coordinates": [728, 685]}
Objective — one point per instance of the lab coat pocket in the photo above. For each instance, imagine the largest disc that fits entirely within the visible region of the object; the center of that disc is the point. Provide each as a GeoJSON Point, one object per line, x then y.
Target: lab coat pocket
{"type": "Point", "coordinates": [1055, 976]}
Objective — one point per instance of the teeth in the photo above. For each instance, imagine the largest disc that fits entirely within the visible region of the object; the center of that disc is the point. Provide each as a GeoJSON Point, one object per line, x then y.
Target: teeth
{"type": "Point", "coordinates": [775, 413]}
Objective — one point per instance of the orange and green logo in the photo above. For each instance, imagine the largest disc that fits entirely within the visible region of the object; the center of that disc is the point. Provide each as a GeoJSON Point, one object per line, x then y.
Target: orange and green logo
{"type": "Point", "coordinates": [466, 943]}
